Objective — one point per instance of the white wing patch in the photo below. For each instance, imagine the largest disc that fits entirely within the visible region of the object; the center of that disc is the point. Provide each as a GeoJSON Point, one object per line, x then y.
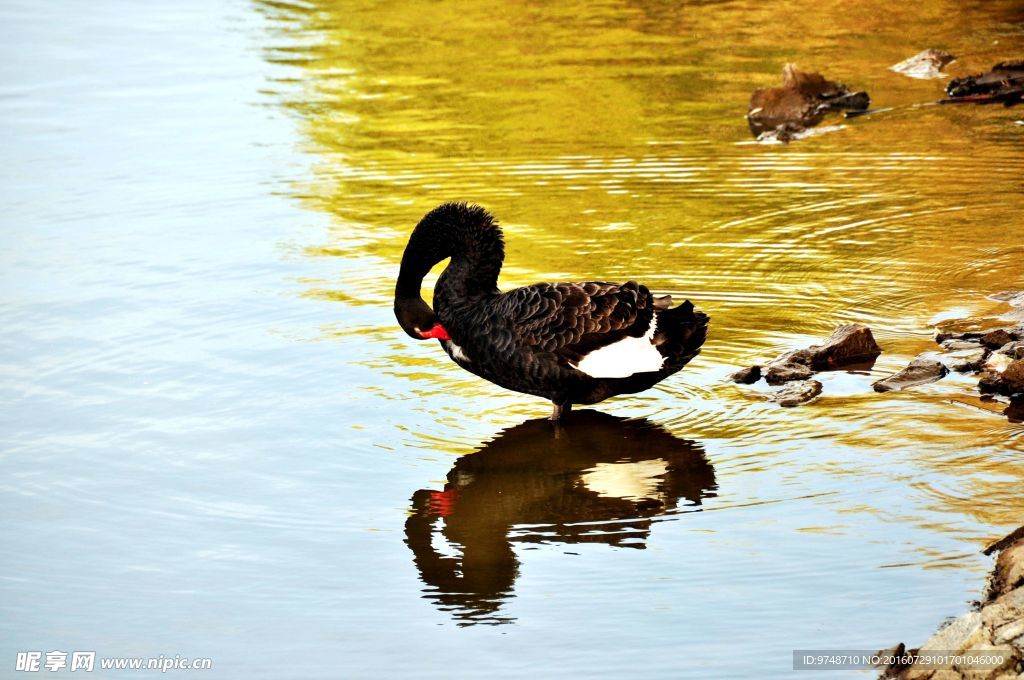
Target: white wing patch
{"type": "Point", "coordinates": [633, 481]}
{"type": "Point", "coordinates": [457, 352]}
{"type": "Point", "coordinates": [624, 358]}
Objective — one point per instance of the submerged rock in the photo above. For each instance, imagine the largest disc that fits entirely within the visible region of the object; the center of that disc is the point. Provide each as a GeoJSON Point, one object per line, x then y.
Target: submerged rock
{"type": "Point", "coordinates": [795, 393]}
{"type": "Point", "coordinates": [802, 102]}
{"type": "Point", "coordinates": [920, 371]}
{"type": "Point", "coordinates": [746, 376]}
{"type": "Point", "coordinates": [923, 65]}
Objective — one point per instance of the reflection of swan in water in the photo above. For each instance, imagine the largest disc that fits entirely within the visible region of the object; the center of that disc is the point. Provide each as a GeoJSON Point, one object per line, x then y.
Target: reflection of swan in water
{"type": "Point", "coordinates": [595, 478]}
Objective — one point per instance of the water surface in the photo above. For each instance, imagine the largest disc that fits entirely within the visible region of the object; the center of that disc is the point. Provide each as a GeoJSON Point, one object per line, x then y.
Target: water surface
{"type": "Point", "coordinates": [216, 442]}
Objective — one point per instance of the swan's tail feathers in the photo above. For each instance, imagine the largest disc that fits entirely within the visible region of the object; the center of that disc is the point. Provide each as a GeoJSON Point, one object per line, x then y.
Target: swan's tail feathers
{"type": "Point", "coordinates": [681, 332]}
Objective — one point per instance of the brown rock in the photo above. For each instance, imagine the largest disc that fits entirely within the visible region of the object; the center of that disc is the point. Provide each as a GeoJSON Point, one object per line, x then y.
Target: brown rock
{"type": "Point", "coordinates": [795, 393]}
{"type": "Point", "coordinates": [1005, 542]}
{"type": "Point", "coordinates": [746, 376]}
{"type": "Point", "coordinates": [849, 344]}
{"type": "Point", "coordinates": [776, 374]}
{"type": "Point", "coordinates": [968, 361]}
{"type": "Point", "coordinates": [801, 102]}
{"type": "Point", "coordinates": [1010, 382]}
{"type": "Point", "coordinates": [1009, 571]}
{"type": "Point", "coordinates": [920, 371]}
{"type": "Point", "coordinates": [1015, 332]}
{"type": "Point", "coordinates": [996, 339]}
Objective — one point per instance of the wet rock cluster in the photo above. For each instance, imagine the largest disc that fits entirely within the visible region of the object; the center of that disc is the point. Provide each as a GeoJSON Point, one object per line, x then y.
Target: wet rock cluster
{"type": "Point", "coordinates": [995, 631]}
{"type": "Point", "coordinates": [849, 345]}
{"type": "Point", "coordinates": [995, 355]}
{"type": "Point", "coordinates": [789, 112]}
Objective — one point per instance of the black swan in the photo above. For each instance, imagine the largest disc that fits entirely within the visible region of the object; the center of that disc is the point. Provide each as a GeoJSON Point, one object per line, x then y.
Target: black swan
{"type": "Point", "coordinates": [572, 343]}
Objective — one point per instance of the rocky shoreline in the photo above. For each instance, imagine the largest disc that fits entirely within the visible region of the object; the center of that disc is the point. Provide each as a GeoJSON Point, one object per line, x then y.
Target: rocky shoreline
{"type": "Point", "coordinates": [994, 630]}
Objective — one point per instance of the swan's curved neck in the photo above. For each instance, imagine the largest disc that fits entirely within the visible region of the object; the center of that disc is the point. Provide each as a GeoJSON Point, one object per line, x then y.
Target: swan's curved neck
{"type": "Point", "coordinates": [466, 234]}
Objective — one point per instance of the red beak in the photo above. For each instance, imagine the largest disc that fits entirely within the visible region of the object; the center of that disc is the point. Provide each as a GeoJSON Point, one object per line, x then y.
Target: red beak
{"type": "Point", "coordinates": [437, 331]}
{"type": "Point", "coordinates": [443, 502]}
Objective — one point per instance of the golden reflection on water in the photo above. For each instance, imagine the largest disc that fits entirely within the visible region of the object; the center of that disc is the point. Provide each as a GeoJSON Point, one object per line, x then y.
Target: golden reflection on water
{"type": "Point", "coordinates": [609, 140]}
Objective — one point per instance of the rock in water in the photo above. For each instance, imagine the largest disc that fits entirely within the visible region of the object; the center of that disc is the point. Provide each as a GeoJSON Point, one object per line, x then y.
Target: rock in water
{"type": "Point", "coordinates": [746, 376]}
{"type": "Point", "coordinates": [776, 374]}
{"type": "Point", "coordinates": [948, 338]}
{"type": "Point", "coordinates": [996, 339]}
{"type": "Point", "coordinates": [966, 361]}
{"type": "Point", "coordinates": [1014, 298]}
{"type": "Point", "coordinates": [957, 345]}
{"type": "Point", "coordinates": [997, 362]}
{"type": "Point", "coordinates": [1004, 83]}
{"type": "Point", "coordinates": [1009, 575]}
{"type": "Point", "coordinates": [927, 64]}
{"type": "Point", "coordinates": [920, 371]}
{"type": "Point", "coordinates": [801, 102]}
{"type": "Point", "coordinates": [1009, 382]}
{"type": "Point", "coordinates": [850, 343]}
{"type": "Point", "coordinates": [795, 393]}
{"type": "Point", "coordinates": [1014, 349]}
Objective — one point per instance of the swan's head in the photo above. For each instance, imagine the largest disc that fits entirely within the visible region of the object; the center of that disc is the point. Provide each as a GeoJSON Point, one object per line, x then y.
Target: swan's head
{"type": "Point", "coordinates": [418, 320]}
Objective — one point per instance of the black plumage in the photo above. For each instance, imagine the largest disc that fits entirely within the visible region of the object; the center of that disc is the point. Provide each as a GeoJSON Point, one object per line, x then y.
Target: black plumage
{"type": "Point", "coordinates": [534, 339]}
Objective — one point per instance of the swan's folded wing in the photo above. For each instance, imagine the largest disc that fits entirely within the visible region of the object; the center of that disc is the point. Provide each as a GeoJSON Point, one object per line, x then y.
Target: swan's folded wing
{"type": "Point", "coordinates": [573, 319]}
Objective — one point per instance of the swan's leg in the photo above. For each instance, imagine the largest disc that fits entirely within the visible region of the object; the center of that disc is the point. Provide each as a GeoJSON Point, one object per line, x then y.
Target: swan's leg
{"type": "Point", "coordinates": [560, 410]}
